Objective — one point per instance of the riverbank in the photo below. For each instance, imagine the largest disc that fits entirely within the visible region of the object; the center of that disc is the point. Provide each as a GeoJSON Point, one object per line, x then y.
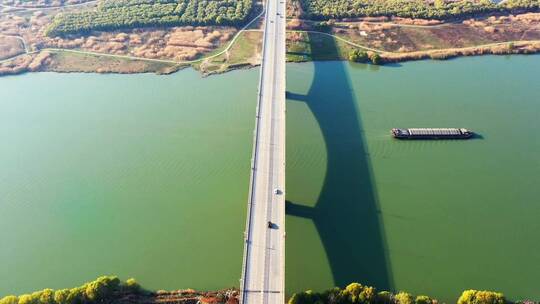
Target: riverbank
{"type": "Point", "coordinates": [219, 49]}
{"type": "Point", "coordinates": [248, 56]}
{"type": "Point", "coordinates": [109, 289]}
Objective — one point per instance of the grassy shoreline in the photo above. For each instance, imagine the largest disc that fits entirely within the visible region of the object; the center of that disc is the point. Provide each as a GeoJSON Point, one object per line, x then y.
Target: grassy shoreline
{"type": "Point", "coordinates": [247, 57]}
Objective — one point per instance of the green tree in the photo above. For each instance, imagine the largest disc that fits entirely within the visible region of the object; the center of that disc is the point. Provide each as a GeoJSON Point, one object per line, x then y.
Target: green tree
{"type": "Point", "coordinates": [368, 295]}
{"type": "Point", "coordinates": [9, 300]}
{"type": "Point", "coordinates": [46, 297]}
{"type": "Point", "coordinates": [132, 286]}
{"type": "Point", "coordinates": [384, 297]}
{"type": "Point", "coordinates": [76, 295]}
{"type": "Point", "coordinates": [61, 296]}
{"type": "Point", "coordinates": [358, 56]}
{"type": "Point", "coordinates": [305, 297]}
{"type": "Point", "coordinates": [481, 297]}
{"type": "Point", "coordinates": [352, 292]}
{"type": "Point", "coordinates": [404, 298]}
{"type": "Point", "coordinates": [375, 58]}
{"type": "Point", "coordinates": [102, 288]}
{"type": "Point", "coordinates": [26, 299]}
{"type": "Point", "coordinates": [423, 300]}
{"type": "Point", "coordinates": [333, 295]}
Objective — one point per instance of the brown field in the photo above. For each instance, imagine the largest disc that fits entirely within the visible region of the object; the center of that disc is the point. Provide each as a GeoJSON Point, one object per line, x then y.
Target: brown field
{"type": "Point", "coordinates": [176, 44]}
{"type": "Point", "coordinates": [246, 52]}
{"type": "Point", "coordinates": [70, 62]}
{"type": "Point", "coordinates": [523, 47]}
{"type": "Point", "coordinates": [400, 36]}
{"type": "Point", "coordinates": [10, 46]}
{"type": "Point", "coordinates": [25, 63]}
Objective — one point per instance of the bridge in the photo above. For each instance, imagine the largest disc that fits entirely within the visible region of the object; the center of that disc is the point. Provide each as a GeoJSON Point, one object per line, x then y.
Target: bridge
{"type": "Point", "coordinates": [263, 267]}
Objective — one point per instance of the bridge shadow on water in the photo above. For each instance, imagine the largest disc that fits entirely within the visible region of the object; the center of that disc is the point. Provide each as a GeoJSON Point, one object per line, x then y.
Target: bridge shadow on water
{"type": "Point", "coordinates": [346, 214]}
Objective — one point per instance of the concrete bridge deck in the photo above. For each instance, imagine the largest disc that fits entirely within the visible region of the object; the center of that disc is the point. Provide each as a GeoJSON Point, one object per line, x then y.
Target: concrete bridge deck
{"type": "Point", "coordinates": [263, 269]}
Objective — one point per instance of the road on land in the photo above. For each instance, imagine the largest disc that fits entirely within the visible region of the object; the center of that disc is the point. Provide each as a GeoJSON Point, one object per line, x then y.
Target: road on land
{"type": "Point", "coordinates": [263, 270]}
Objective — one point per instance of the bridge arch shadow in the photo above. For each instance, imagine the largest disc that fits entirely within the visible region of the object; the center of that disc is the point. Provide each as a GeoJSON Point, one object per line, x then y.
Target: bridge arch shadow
{"type": "Point", "coordinates": [346, 213]}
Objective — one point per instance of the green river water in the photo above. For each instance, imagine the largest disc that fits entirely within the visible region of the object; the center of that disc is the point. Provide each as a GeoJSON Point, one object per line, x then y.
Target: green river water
{"type": "Point", "coordinates": [146, 176]}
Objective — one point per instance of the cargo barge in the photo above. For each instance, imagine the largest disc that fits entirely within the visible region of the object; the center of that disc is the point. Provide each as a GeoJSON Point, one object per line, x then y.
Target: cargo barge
{"type": "Point", "coordinates": [432, 133]}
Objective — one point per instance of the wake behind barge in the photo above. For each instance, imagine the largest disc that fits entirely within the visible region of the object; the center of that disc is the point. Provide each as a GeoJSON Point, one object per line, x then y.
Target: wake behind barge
{"type": "Point", "coordinates": [432, 133]}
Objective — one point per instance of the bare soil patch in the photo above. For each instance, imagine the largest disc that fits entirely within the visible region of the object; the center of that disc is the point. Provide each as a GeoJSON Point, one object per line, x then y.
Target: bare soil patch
{"type": "Point", "coordinates": [404, 35]}
{"type": "Point", "coordinates": [10, 46]}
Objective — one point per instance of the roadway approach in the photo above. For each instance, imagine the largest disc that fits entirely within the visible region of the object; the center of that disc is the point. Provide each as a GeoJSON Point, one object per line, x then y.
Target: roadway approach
{"type": "Point", "coordinates": [263, 267]}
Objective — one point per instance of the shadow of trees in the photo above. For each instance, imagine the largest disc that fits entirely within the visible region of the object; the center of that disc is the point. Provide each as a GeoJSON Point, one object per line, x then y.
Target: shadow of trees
{"type": "Point", "coordinates": [346, 213]}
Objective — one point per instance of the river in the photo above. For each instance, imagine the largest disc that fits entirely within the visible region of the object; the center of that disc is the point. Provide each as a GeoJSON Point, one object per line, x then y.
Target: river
{"type": "Point", "coordinates": [146, 176]}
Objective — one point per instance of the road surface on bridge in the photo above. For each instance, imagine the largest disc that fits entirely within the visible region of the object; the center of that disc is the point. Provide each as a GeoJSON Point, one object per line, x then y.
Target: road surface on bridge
{"type": "Point", "coordinates": [263, 269]}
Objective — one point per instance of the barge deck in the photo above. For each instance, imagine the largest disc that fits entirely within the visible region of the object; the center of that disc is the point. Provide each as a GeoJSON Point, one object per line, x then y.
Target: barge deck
{"type": "Point", "coordinates": [432, 133]}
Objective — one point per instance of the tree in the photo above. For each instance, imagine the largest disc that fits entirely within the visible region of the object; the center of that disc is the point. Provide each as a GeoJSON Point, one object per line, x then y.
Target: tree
{"type": "Point", "coordinates": [384, 297]}
{"type": "Point", "coordinates": [26, 299]}
{"type": "Point", "coordinates": [132, 286]}
{"type": "Point", "coordinates": [423, 300]}
{"type": "Point", "coordinates": [76, 295]}
{"type": "Point", "coordinates": [375, 58]}
{"type": "Point", "coordinates": [9, 300]}
{"type": "Point", "coordinates": [61, 296]}
{"type": "Point", "coordinates": [46, 297]}
{"type": "Point", "coordinates": [305, 297]}
{"type": "Point", "coordinates": [481, 297]}
{"type": "Point", "coordinates": [358, 56]}
{"type": "Point", "coordinates": [352, 292]}
{"type": "Point", "coordinates": [368, 295]}
{"type": "Point", "coordinates": [102, 288]}
{"type": "Point", "coordinates": [404, 298]}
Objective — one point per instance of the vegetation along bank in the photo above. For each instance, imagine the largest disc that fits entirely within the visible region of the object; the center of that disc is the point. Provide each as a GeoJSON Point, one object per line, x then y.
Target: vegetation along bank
{"type": "Point", "coordinates": [109, 289]}
{"type": "Point", "coordinates": [357, 293]}
{"type": "Point", "coordinates": [438, 9]}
